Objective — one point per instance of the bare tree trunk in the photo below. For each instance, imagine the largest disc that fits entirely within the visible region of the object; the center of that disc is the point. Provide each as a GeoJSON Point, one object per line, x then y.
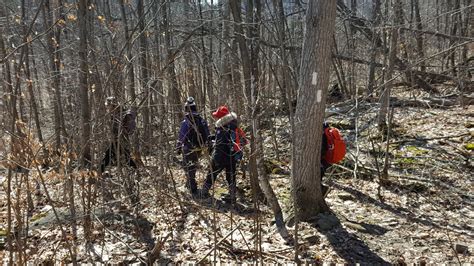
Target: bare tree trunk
{"type": "Point", "coordinates": [187, 53]}
{"type": "Point", "coordinates": [33, 109]}
{"type": "Point", "coordinates": [29, 84]}
{"type": "Point", "coordinates": [17, 67]}
{"type": "Point", "coordinates": [385, 97]}
{"type": "Point", "coordinates": [373, 53]}
{"type": "Point", "coordinates": [84, 86]}
{"type": "Point", "coordinates": [130, 70]}
{"type": "Point", "coordinates": [173, 90]}
{"type": "Point", "coordinates": [455, 24]}
{"type": "Point", "coordinates": [143, 50]}
{"type": "Point", "coordinates": [352, 50]}
{"type": "Point", "coordinates": [33, 103]}
{"type": "Point", "coordinates": [250, 74]}
{"type": "Point", "coordinates": [225, 88]}
{"type": "Point", "coordinates": [309, 116]}
{"type": "Point", "coordinates": [11, 104]}
{"type": "Point", "coordinates": [85, 109]}
{"type": "Point", "coordinates": [247, 74]}
{"type": "Point", "coordinates": [55, 63]}
{"type": "Point", "coordinates": [130, 73]}
{"type": "Point", "coordinates": [159, 98]}
{"type": "Point", "coordinates": [207, 62]}
{"type": "Point", "coordinates": [465, 30]}
{"type": "Point", "coordinates": [418, 34]}
{"type": "Point", "coordinates": [286, 90]}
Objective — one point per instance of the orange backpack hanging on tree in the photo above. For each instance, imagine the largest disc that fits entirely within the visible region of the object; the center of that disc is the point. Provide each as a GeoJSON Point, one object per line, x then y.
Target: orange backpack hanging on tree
{"type": "Point", "coordinates": [336, 147]}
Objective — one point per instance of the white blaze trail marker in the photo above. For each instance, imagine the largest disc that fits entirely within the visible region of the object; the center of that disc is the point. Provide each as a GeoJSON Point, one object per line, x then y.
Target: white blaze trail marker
{"type": "Point", "coordinates": [319, 95]}
{"type": "Point", "coordinates": [314, 81]}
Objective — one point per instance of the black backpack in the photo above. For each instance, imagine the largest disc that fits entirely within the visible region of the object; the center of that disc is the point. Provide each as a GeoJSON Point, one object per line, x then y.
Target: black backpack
{"type": "Point", "coordinates": [197, 138]}
{"type": "Point", "coordinates": [129, 123]}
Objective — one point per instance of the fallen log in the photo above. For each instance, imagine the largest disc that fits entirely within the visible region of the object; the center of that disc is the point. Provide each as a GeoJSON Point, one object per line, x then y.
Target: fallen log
{"type": "Point", "coordinates": [431, 102]}
{"type": "Point", "coordinates": [438, 34]}
{"type": "Point", "coordinates": [429, 77]}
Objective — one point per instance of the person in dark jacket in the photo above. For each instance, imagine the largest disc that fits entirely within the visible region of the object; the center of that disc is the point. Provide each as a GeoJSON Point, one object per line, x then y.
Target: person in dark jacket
{"type": "Point", "coordinates": [222, 157]}
{"type": "Point", "coordinates": [324, 165]}
{"type": "Point", "coordinates": [123, 126]}
{"type": "Point", "coordinates": [192, 138]}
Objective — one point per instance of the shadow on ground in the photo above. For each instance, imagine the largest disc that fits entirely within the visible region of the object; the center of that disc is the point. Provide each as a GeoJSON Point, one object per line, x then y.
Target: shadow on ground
{"type": "Point", "coordinates": [348, 246]}
{"type": "Point", "coordinates": [399, 211]}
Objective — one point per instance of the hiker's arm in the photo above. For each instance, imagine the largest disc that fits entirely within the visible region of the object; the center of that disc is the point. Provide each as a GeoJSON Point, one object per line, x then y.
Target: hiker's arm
{"type": "Point", "coordinates": [206, 130]}
{"type": "Point", "coordinates": [324, 147]}
{"type": "Point", "coordinates": [182, 134]}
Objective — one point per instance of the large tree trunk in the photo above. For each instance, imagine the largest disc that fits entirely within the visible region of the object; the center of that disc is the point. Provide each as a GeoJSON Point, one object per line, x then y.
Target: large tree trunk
{"type": "Point", "coordinates": [309, 116]}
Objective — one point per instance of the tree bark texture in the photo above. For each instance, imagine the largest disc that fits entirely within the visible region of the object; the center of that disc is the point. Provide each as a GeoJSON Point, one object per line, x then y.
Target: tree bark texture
{"type": "Point", "coordinates": [309, 116]}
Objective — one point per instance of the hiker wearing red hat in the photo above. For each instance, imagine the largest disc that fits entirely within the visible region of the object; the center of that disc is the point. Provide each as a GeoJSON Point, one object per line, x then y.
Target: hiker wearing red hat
{"type": "Point", "coordinates": [220, 112]}
{"type": "Point", "coordinates": [225, 156]}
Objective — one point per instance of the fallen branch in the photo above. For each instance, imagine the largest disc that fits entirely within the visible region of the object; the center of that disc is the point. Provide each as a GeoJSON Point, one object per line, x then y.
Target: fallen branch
{"type": "Point", "coordinates": [426, 139]}
{"type": "Point", "coordinates": [438, 34]}
{"type": "Point", "coordinates": [431, 102]}
{"type": "Point", "coordinates": [232, 249]}
{"type": "Point", "coordinates": [218, 243]}
{"type": "Point", "coordinates": [155, 252]}
{"type": "Point", "coordinates": [120, 240]}
{"type": "Point", "coordinates": [429, 77]}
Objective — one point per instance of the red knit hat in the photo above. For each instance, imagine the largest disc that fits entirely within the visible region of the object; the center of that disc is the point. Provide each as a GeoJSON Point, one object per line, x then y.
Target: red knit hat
{"type": "Point", "coordinates": [220, 112]}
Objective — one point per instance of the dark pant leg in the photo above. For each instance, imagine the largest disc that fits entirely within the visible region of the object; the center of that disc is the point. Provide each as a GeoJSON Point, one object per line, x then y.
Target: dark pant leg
{"type": "Point", "coordinates": [190, 160]}
{"type": "Point", "coordinates": [324, 167]}
{"type": "Point", "coordinates": [212, 176]}
{"type": "Point", "coordinates": [108, 157]}
{"type": "Point", "coordinates": [231, 181]}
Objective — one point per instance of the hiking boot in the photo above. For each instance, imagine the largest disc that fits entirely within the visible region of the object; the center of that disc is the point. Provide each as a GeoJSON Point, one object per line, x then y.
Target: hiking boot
{"type": "Point", "coordinates": [204, 194]}
{"type": "Point", "coordinates": [228, 198]}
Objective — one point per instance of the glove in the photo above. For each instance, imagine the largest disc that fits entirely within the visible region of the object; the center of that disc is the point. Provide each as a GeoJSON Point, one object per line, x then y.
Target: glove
{"type": "Point", "coordinates": [210, 146]}
{"type": "Point", "coordinates": [211, 138]}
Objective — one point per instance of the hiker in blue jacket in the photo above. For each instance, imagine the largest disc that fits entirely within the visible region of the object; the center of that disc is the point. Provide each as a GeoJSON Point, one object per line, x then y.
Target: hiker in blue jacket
{"type": "Point", "coordinates": [192, 138]}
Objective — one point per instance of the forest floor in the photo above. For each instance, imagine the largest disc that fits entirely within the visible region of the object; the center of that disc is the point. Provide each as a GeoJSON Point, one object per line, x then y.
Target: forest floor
{"type": "Point", "coordinates": [423, 213]}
